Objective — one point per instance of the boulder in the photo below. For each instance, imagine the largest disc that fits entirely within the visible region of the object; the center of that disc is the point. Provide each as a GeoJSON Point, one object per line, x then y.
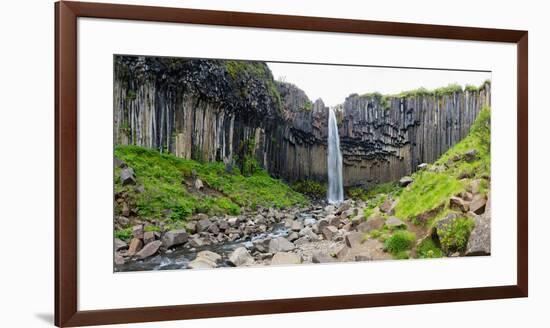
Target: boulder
{"type": "Point", "coordinates": [241, 257]}
{"type": "Point", "coordinates": [344, 207]}
{"type": "Point", "coordinates": [122, 220]}
{"type": "Point", "coordinates": [233, 221]}
{"type": "Point", "coordinates": [301, 241]}
{"type": "Point", "coordinates": [470, 155]}
{"type": "Point", "coordinates": [329, 232]}
{"type": "Point", "coordinates": [127, 176]}
{"type": "Point", "coordinates": [458, 204]}
{"type": "Point", "coordinates": [280, 244]}
{"type": "Point", "coordinates": [174, 238]}
{"type": "Point", "coordinates": [135, 246]}
{"type": "Point", "coordinates": [405, 181]}
{"type": "Point", "coordinates": [475, 186]}
{"type": "Point", "coordinates": [322, 257]}
{"type": "Point", "coordinates": [191, 226]}
{"type": "Point", "coordinates": [198, 184]}
{"type": "Point", "coordinates": [137, 231]}
{"type": "Point", "coordinates": [292, 236]}
{"type": "Point", "coordinates": [296, 226]}
{"type": "Point", "coordinates": [374, 223]}
{"type": "Point", "coordinates": [149, 250]}
{"type": "Point", "coordinates": [148, 237]}
{"type": "Point", "coordinates": [223, 225]}
{"type": "Point", "coordinates": [210, 256]}
{"type": "Point", "coordinates": [213, 228]}
{"type": "Point", "coordinates": [387, 206]}
{"type": "Point", "coordinates": [354, 239]}
{"type": "Point", "coordinates": [120, 245]}
{"type": "Point", "coordinates": [200, 216]}
{"type": "Point", "coordinates": [479, 242]}
{"type": "Point", "coordinates": [282, 258]}
{"type": "Point", "coordinates": [394, 223]}
{"type": "Point", "coordinates": [119, 259]}
{"type": "Point", "coordinates": [202, 263]}
{"type": "Point", "coordinates": [119, 163]}
{"type": "Point", "coordinates": [477, 205]}
{"type": "Point", "coordinates": [261, 245]}
{"type": "Point", "coordinates": [422, 166]}
{"type": "Point", "coordinates": [203, 225]}
{"type": "Point", "coordinates": [322, 224]}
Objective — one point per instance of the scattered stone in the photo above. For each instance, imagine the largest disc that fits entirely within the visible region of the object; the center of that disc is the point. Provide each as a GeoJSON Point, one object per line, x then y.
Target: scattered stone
{"type": "Point", "coordinates": [322, 224]}
{"type": "Point", "coordinates": [191, 226]}
{"type": "Point", "coordinates": [329, 232]}
{"type": "Point", "coordinates": [137, 231]}
{"type": "Point", "coordinates": [261, 245]}
{"type": "Point", "coordinates": [405, 181]}
{"type": "Point", "coordinates": [149, 250]}
{"type": "Point", "coordinates": [198, 184]}
{"type": "Point", "coordinates": [203, 225]}
{"type": "Point", "coordinates": [354, 239]}
{"type": "Point", "coordinates": [479, 242]}
{"type": "Point", "coordinates": [282, 258]}
{"type": "Point", "coordinates": [213, 228]}
{"type": "Point", "coordinates": [308, 222]}
{"type": "Point", "coordinates": [458, 204]}
{"type": "Point", "coordinates": [119, 163]}
{"type": "Point", "coordinates": [122, 220]}
{"type": "Point", "coordinates": [174, 238]}
{"type": "Point", "coordinates": [363, 257]}
{"type": "Point", "coordinates": [475, 186]}
{"type": "Point", "coordinates": [322, 257]}
{"type": "Point", "coordinates": [241, 257]}
{"type": "Point", "coordinates": [119, 259]}
{"type": "Point", "coordinates": [148, 237]}
{"type": "Point", "coordinates": [301, 241]}
{"type": "Point", "coordinates": [223, 225]}
{"type": "Point", "coordinates": [202, 263]}
{"type": "Point", "coordinates": [477, 205]}
{"type": "Point", "coordinates": [280, 244]}
{"type": "Point", "coordinates": [233, 221]}
{"type": "Point", "coordinates": [394, 223]}
{"type": "Point", "coordinates": [348, 213]}
{"type": "Point", "coordinates": [374, 223]}
{"type": "Point", "coordinates": [296, 226]}
{"type": "Point", "coordinates": [344, 207]}
{"type": "Point", "coordinates": [470, 155]}
{"type": "Point", "coordinates": [422, 166]}
{"type": "Point", "coordinates": [200, 216]}
{"type": "Point", "coordinates": [292, 236]}
{"type": "Point", "coordinates": [127, 176]}
{"type": "Point", "coordinates": [135, 246]}
{"type": "Point", "coordinates": [387, 206]}
{"type": "Point", "coordinates": [120, 245]}
{"type": "Point", "coordinates": [211, 256]}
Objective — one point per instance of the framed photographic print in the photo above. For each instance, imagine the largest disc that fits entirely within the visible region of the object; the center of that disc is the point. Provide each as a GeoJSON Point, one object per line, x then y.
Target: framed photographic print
{"type": "Point", "coordinates": [247, 163]}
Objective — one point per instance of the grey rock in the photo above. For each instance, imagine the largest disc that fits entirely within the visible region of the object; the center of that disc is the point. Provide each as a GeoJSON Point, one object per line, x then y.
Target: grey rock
{"type": "Point", "coordinates": [149, 250]}
{"type": "Point", "coordinates": [135, 246]}
{"type": "Point", "coordinates": [174, 238]}
{"type": "Point", "coordinates": [137, 231]}
{"type": "Point", "coordinates": [148, 237]}
{"type": "Point", "coordinates": [322, 257]}
{"type": "Point", "coordinates": [405, 181]}
{"type": "Point", "coordinates": [127, 176]}
{"type": "Point", "coordinates": [458, 204]}
{"type": "Point", "coordinates": [422, 166]}
{"type": "Point", "coordinates": [280, 244]}
{"type": "Point", "coordinates": [284, 258]}
{"type": "Point", "coordinates": [296, 226]}
{"type": "Point", "coordinates": [394, 222]}
{"type": "Point", "coordinates": [241, 257]}
{"type": "Point", "coordinates": [293, 236]}
{"type": "Point", "coordinates": [120, 245]}
{"type": "Point", "coordinates": [329, 232]}
{"type": "Point", "coordinates": [374, 223]}
{"type": "Point", "coordinates": [477, 205]}
{"type": "Point", "coordinates": [203, 225]}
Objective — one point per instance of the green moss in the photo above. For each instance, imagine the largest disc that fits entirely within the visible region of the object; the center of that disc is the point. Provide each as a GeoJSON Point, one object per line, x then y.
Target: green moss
{"type": "Point", "coordinates": [448, 90]}
{"type": "Point", "coordinates": [454, 237]}
{"type": "Point", "coordinates": [428, 191]}
{"type": "Point", "coordinates": [429, 249]}
{"type": "Point", "coordinates": [400, 241]}
{"type": "Point", "coordinates": [124, 234]}
{"type": "Point", "coordinates": [311, 188]}
{"type": "Point", "coordinates": [152, 228]}
{"type": "Point", "coordinates": [166, 195]}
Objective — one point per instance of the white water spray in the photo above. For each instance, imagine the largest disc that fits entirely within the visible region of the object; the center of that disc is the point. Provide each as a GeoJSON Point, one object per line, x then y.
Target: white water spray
{"type": "Point", "coordinates": [335, 192]}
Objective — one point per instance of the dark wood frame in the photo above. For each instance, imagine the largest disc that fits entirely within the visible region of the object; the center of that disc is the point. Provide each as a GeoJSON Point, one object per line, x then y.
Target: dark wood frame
{"type": "Point", "coordinates": [66, 14]}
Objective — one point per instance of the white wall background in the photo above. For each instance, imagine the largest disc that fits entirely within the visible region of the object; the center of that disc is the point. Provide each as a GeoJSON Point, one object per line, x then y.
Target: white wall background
{"type": "Point", "coordinates": [26, 163]}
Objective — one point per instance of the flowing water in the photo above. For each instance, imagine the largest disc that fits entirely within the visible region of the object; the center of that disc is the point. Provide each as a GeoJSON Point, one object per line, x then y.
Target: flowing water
{"type": "Point", "coordinates": [335, 192]}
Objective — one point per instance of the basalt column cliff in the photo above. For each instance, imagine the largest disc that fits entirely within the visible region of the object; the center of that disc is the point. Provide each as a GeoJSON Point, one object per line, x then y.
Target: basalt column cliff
{"type": "Point", "coordinates": [235, 112]}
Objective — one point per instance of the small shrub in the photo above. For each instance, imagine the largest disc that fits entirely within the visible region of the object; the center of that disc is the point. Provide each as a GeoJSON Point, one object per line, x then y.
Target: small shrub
{"type": "Point", "coordinates": [428, 249]}
{"type": "Point", "coordinates": [454, 237]}
{"type": "Point", "coordinates": [310, 188]}
{"type": "Point", "coordinates": [403, 255]}
{"type": "Point", "coordinates": [124, 234]}
{"type": "Point", "coordinates": [400, 241]}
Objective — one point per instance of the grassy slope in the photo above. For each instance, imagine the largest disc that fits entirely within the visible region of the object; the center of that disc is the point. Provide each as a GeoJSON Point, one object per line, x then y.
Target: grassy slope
{"type": "Point", "coordinates": [431, 190]}
{"type": "Point", "coordinates": [163, 177]}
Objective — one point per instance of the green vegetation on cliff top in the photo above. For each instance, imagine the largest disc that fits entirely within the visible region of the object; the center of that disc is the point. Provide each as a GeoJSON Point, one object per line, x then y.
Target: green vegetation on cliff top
{"type": "Point", "coordinates": [165, 179]}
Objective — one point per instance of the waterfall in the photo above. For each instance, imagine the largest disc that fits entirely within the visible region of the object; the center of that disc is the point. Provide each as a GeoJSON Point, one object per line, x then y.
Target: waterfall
{"type": "Point", "coordinates": [335, 192]}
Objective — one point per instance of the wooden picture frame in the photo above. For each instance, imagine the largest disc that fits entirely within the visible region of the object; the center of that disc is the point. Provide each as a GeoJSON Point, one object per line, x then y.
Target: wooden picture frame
{"type": "Point", "coordinates": [66, 14]}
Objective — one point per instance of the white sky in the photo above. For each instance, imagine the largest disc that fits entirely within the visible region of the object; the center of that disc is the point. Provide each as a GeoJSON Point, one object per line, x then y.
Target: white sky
{"type": "Point", "coordinates": [334, 83]}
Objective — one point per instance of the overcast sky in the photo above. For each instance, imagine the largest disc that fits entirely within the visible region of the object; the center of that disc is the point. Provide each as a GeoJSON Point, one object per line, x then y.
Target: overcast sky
{"type": "Point", "coordinates": [334, 83]}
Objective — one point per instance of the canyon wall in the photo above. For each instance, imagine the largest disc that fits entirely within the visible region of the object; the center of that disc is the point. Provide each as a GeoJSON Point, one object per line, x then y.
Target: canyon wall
{"type": "Point", "coordinates": [213, 110]}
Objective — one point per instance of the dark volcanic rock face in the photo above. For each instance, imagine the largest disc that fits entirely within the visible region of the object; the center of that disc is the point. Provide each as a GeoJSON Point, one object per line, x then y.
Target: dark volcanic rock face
{"type": "Point", "coordinates": [214, 110]}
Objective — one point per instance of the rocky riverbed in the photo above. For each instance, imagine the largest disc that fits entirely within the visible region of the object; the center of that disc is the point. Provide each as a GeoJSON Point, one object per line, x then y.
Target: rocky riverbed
{"type": "Point", "coordinates": [315, 234]}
